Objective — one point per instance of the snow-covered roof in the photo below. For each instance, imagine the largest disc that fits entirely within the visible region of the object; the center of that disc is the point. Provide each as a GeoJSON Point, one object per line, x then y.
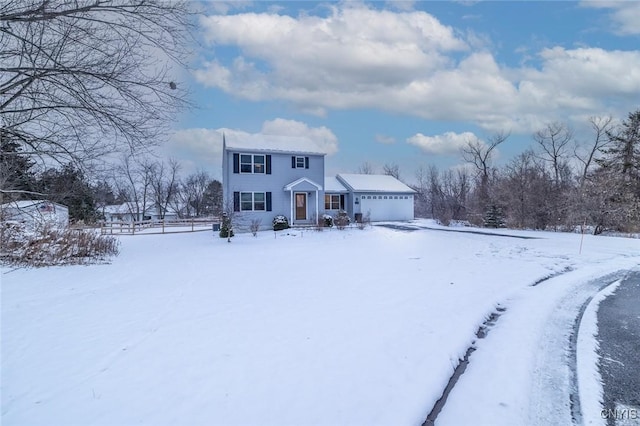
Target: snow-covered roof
{"type": "Point", "coordinates": [259, 142]}
{"type": "Point", "coordinates": [331, 184]}
{"type": "Point", "coordinates": [23, 204]}
{"type": "Point", "coordinates": [119, 208]}
{"type": "Point", "coordinates": [373, 183]}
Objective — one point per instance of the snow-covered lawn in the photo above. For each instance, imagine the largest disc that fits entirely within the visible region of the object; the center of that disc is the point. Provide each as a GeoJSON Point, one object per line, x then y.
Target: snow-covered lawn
{"type": "Point", "coordinates": [316, 328]}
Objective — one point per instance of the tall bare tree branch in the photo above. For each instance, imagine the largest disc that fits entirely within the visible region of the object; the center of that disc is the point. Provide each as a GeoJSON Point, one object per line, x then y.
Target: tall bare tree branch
{"type": "Point", "coordinates": [83, 78]}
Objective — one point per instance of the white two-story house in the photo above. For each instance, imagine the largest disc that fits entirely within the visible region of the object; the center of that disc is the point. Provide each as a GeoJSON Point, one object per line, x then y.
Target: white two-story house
{"type": "Point", "coordinates": [264, 176]}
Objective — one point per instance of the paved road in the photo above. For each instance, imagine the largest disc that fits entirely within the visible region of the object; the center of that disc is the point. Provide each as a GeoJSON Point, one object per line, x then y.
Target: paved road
{"type": "Point", "coordinates": [619, 338]}
{"type": "Point", "coordinates": [411, 227]}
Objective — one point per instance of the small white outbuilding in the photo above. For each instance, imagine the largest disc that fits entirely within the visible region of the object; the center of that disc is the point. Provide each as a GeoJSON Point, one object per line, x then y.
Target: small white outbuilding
{"type": "Point", "coordinates": [35, 213]}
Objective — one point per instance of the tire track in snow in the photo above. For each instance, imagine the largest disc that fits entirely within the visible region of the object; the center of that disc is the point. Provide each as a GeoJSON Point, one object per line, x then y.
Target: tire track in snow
{"type": "Point", "coordinates": [482, 332]}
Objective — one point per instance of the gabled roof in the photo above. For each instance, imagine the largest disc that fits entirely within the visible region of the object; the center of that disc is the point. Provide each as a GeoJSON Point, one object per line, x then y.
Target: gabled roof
{"type": "Point", "coordinates": [272, 143]}
{"type": "Point", "coordinates": [331, 184]}
{"type": "Point", "coordinates": [295, 183]}
{"type": "Point", "coordinates": [373, 183]}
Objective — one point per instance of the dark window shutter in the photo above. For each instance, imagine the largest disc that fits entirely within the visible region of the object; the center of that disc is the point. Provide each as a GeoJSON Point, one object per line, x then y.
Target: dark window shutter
{"type": "Point", "coordinates": [306, 162]}
{"type": "Point", "coordinates": [236, 163]}
{"type": "Point", "coordinates": [236, 201]}
{"type": "Point", "coordinates": [268, 164]}
{"type": "Point", "coordinates": [268, 201]}
{"type": "Point", "coordinates": [293, 161]}
{"type": "Point", "coordinates": [341, 201]}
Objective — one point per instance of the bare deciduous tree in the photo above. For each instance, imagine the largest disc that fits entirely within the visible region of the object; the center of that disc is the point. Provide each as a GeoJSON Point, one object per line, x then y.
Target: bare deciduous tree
{"type": "Point", "coordinates": [84, 78]}
{"type": "Point", "coordinates": [587, 154]}
{"type": "Point", "coordinates": [366, 168]}
{"type": "Point", "coordinates": [133, 182]}
{"type": "Point", "coordinates": [553, 141]}
{"type": "Point", "coordinates": [392, 170]}
{"type": "Point", "coordinates": [421, 206]}
{"type": "Point", "coordinates": [191, 196]}
{"type": "Point", "coordinates": [480, 155]}
{"type": "Point", "coordinates": [164, 185]}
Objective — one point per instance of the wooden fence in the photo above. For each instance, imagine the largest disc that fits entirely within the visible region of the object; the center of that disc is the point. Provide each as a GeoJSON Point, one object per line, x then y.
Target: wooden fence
{"type": "Point", "coordinates": [157, 227]}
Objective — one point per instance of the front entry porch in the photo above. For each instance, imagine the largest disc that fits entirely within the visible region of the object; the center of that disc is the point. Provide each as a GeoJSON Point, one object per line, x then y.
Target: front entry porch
{"type": "Point", "coordinates": [300, 193]}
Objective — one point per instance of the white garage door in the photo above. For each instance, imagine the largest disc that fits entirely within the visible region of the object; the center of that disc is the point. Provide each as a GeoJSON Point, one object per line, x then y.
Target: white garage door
{"type": "Point", "coordinates": [387, 207]}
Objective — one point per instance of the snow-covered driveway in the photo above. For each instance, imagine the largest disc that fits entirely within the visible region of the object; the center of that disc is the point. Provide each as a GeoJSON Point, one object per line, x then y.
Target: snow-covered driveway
{"type": "Point", "coordinates": [337, 327]}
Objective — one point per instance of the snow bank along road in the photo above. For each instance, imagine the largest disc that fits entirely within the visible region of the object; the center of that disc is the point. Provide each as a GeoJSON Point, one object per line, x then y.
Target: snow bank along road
{"type": "Point", "coordinates": [316, 328]}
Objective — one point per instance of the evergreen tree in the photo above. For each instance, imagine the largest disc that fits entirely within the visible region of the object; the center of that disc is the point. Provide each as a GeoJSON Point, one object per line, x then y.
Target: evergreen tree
{"type": "Point", "coordinates": [623, 155]}
{"type": "Point", "coordinates": [617, 183]}
{"type": "Point", "coordinates": [494, 217]}
{"type": "Point", "coordinates": [17, 179]}
{"type": "Point", "coordinates": [212, 199]}
{"type": "Point", "coordinates": [226, 227]}
{"type": "Point", "coordinates": [70, 188]}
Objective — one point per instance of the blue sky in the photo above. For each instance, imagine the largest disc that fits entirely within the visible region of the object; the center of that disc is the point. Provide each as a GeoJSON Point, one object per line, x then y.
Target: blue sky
{"type": "Point", "coordinates": [405, 83]}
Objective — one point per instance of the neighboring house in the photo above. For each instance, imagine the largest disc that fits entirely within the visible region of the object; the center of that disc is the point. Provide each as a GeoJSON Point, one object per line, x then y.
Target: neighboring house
{"type": "Point", "coordinates": [128, 212]}
{"type": "Point", "coordinates": [35, 212]}
{"type": "Point", "coordinates": [264, 176]}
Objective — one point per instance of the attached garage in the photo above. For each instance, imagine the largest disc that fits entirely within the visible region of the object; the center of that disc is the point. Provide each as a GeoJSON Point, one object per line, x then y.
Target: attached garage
{"type": "Point", "coordinates": [383, 197]}
{"type": "Point", "coordinates": [387, 206]}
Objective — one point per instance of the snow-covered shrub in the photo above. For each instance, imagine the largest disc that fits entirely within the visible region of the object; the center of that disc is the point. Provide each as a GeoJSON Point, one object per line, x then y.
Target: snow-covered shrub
{"type": "Point", "coordinates": [327, 220]}
{"type": "Point", "coordinates": [280, 222]}
{"type": "Point", "coordinates": [341, 220]}
{"type": "Point", "coordinates": [21, 245]}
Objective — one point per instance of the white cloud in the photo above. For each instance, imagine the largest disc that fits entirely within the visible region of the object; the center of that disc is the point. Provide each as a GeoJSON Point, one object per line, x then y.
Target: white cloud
{"type": "Point", "coordinates": [322, 137]}
{"type": "Point", "coordinates": [201, 148]}
{"type": "Point", "coordinates": [579, 79]}
{"type": "Point", "coordinates": [404, 5]}
{"type": "Point", "coordinates": [384, 139]}
{"type": "Point", "coordinates": [625, 15]}
{"type": "Point", "coordinates": [309, 56]}
{"type": "Point", "coordinates": [409, 63]}
{"type": "Point", "coordinates": [448, 143]}
{"type": "Point", "coordinates": [224, 7]}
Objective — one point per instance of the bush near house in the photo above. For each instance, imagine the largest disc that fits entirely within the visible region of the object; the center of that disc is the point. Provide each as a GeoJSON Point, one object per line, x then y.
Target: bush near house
{"type": "Point", "coordinates": [328, 220]}
{"type": "Point", "coordinates": [365, 221]}
{"type": "Point", "coordinates": [226, 227]}
{"type": "Point", "coordinates": [280, 222]}
{"type": "Point", "coordinates": [341, 220]}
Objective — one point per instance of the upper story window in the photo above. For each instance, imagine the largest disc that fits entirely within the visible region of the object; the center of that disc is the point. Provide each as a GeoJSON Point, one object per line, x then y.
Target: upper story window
{"type": "Point", "coordinates": [299, 162]}
{"type": "Point", "coordinates": [252, 163]}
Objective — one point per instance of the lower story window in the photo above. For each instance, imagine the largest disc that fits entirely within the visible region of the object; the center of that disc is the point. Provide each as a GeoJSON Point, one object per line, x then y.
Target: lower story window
{"type": "Point", "coordinates": [252, 201]}
{"type": "Point", "coordinates": [332, 202]}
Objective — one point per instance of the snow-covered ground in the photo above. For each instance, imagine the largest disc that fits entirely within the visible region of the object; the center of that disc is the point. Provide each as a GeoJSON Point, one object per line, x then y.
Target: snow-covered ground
{"type": "Point", "coordinates": [303, 328]}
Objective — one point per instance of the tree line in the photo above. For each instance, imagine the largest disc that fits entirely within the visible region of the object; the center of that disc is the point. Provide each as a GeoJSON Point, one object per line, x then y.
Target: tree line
{"type": "Point", "coordinates": [559, 183]}
{"type": "Point", "coordinates": [142, 183]}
